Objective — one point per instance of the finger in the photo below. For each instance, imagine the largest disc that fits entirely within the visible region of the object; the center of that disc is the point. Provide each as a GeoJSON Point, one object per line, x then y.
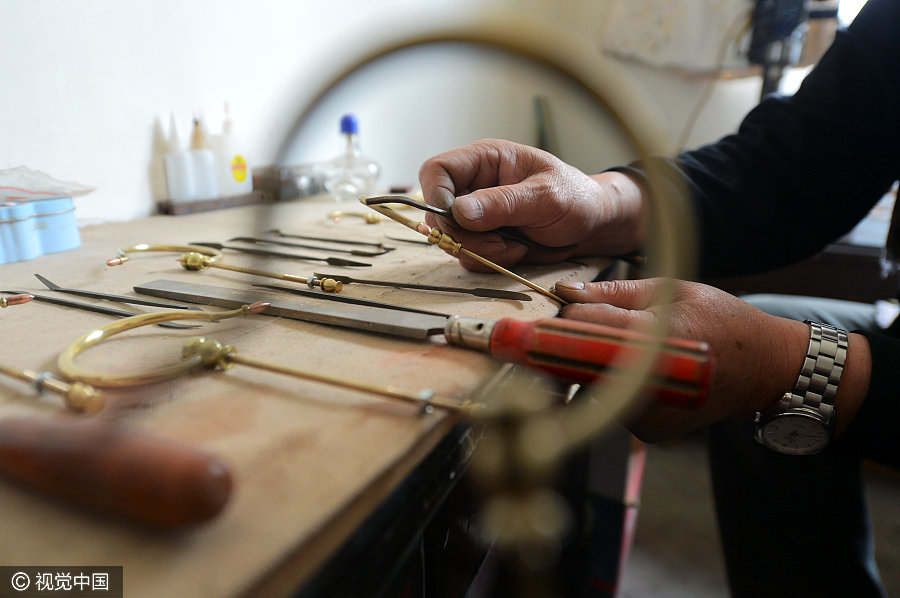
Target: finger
{"type": "Point", "coordinates": [608, 315]}
{"type": "Point", "coordinates": [521, 204]}
{"type": "Point", "coordinates": [459, 170]}
{"type": "Point", "coordinates": [627, 294]}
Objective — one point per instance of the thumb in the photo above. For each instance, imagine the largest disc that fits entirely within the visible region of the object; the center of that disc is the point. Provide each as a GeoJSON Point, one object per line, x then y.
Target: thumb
{"type": "Point", "coordinates": [506, 205]}
{"type": "Point", "coordinates": [627, 294]}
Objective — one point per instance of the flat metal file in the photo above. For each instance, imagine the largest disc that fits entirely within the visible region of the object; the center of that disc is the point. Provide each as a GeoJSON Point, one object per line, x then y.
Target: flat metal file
{"type": "Point", "coordinates": [100, 309]}
{"type": "Point", "coordinates": [574, 351]}
{"type": "Point", "coordinates": [478, 291]}
{"type": "Point", "coordinates": [358, 252]}
{"type": "Point", "coordinates": [331, 261]}
{"type": "Point", "coordinates": [378, 244]}
{"type": "Point", "coordinates": [110, 297]}
{"type": "Point", "coordinates": [345, 299]}
{"type": "Point", "coordinates": [368, 319]}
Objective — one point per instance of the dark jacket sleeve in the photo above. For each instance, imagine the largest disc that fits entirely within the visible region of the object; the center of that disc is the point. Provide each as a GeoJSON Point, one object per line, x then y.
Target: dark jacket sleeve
{"type": "Point", "coordinates": [803, 170]}
{"type": "Point", "coordinates": [873, 429]}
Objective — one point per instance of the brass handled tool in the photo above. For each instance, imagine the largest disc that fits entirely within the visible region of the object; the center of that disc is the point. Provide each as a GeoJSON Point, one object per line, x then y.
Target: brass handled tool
{"type": "Point", "coordinates": [15, 300]}
{"type": "Point", "coordinates": [199, 258]}
{"type": "Point", "coordinates": [77, 396]}
{"type": "Point", "coordinates": [573, 351]}
{"type": "Point", "coordinates": [377, 244]}
{"type": "Point", "coordinates": [109, 297]}
{"type": "Point", "coordinates": [358, 252]}
{"type": "Point", "coordinates": [331, 261]}
{"type": "Point", "coordinates": [477, 292]}
{"type": "Point", "coordinates": [345, 299]}
{"type": "Point", "coordinates": [100, 309]}
{"type": "Point", "coordinates": [114, 470]}
{"type": "Point", "coordinates": [209, 353]}
{"type": "Point", "coordinates": [448, 243]}
{"type": "Point", "coordinates": [508, 233]}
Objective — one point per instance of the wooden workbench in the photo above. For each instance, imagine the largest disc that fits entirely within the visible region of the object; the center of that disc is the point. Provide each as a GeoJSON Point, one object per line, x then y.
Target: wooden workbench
{"type": "Point", "coordinates": [309, 461]}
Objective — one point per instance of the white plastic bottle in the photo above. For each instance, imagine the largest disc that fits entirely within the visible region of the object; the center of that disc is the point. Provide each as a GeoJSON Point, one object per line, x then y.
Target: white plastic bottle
{"type": "Point", "coordinates": [203, 165]}
{"type": "Point", "coordinates": [351, 175]}
{"type": "Point", "coordinates": [179, 168]}
{"type": "Point", "coordinates": [233, 172]}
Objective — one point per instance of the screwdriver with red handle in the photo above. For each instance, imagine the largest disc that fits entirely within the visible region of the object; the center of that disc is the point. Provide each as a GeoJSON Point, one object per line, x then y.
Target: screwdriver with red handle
{"type": "Point", "coordinates": [581, 352]}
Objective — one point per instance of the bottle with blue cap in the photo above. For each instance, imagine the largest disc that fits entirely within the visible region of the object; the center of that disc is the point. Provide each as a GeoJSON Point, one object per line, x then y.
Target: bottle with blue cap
{"type": "Point", "coordinates": [351, 175]}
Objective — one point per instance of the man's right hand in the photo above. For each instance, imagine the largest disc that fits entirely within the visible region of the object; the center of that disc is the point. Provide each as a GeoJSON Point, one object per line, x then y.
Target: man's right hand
{"type": "Point", "coordinates": [494, 183]}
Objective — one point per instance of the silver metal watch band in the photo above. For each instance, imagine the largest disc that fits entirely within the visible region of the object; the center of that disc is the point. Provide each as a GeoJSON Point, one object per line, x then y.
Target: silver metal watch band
{"type": "Point", "coordinates": [820, 375]}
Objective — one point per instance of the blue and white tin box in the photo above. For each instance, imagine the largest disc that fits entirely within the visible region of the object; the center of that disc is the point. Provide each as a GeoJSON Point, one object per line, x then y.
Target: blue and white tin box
{"type": "Point", "coordinates": [32, 228]}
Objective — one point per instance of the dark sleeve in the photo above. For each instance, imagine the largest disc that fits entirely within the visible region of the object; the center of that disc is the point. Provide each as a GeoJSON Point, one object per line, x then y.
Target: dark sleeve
{"type": "Point", "coordinates": [872, 430]}
{"type": "Point", "coordinates": [802, 171]}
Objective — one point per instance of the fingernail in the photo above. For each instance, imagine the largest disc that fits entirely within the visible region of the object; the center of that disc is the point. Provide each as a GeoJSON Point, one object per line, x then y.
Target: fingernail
{"type": "Point", "coordinates": [575, 285]}
{"type": "Point", "coordinates": [468, 207]}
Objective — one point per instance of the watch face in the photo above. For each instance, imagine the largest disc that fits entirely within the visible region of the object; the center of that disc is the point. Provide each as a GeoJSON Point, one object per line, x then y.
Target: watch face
{"type": "Point", "coordinates": [795, 434]}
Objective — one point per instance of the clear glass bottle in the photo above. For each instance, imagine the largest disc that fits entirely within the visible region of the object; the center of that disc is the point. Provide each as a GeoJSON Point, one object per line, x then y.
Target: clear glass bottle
{"type": "Point", "coordinates": [351, 175]}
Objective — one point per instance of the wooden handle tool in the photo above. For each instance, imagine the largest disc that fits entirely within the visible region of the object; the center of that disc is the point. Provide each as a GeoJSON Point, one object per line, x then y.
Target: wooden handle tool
{"type": "Point", "coordinates": [114, 470]}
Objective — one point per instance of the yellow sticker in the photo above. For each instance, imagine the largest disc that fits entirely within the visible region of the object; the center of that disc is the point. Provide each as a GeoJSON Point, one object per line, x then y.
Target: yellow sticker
{"type": "Point", "coordinates": [239, 168]}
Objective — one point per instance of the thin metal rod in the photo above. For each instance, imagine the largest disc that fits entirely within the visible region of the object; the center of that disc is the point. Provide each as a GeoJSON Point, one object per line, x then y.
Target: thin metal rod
{"type": "Point", "coordinates": [478, 292]}
{"type": "Point", "coordinates": [352, 300]}
{"type": "Point", "coordinates": [357, 252]}
{"type": "Point", "coordinates": [423, 399]}
{"type": "Point", "coordinates": [513, 275]}
{"type": "Point", "coordinates": [378, 244]}
{"type": "Point", "coordinates": [445, 241]}
{"type": "Point", "coordinates": [110, 297]}
{"type": "Point", "coordinates": [77, 396]}
{"type": "Point", "coordinates": [328, 285]}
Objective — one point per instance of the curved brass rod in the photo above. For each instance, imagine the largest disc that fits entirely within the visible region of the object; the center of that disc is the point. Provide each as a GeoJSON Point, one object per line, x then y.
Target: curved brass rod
{"type": "Point", "coordinates": [198, 257]}
{"type": "Point", "coordinates": [207, 352]}
{"type": "Point", "coordinates": [72, 371]}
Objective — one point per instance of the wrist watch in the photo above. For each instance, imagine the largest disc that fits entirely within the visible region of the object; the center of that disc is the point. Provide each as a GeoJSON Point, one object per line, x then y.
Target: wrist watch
{"type": "Point", "coordinates": [801, 422]}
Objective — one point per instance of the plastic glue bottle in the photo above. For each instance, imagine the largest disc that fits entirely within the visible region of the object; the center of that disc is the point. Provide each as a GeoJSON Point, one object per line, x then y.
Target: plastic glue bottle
{"type": "Point", "coordinates": [203, 165]}
{"type": "Point", "coordinates": [232, 170]}
{"type": "Point", "coordinates": [351, 175]}
{"type": "Point", "coordinates": [179, 169]}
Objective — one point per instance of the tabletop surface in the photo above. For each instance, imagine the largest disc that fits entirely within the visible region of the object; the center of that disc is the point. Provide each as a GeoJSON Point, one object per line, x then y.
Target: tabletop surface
{"type": "Point", "coordinates": [309, 461]}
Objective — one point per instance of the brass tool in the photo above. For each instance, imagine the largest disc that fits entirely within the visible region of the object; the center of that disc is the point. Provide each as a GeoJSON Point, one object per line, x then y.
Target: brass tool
{"type": "Point", "coordinates": [331, 261]}
{"type": "Point", "coordinates": [345, 299]}
{"type": "Point", "coordinates": [200, 258]}
{"type": "Point", "coordinates": [100, 309]}
{"type": "Point", "coordinates": [15, 300]}
{"type": "Point", "coordinates": [368, 217]}
{"type": "Point", "coordinates": [446, 242]}
{"type": "Point", "coordinates": [359, 252]}
{"type": "Point", "coordinates": [477, 292]}
{"type": "Point", "coordinates": [379, 245]}
{"type": "Point", "coordinates": [109, 297]}
{"type": "Point", "coordinates": [77, 396]}
{"type": "Point", "coordinates": [207, 352]}
{"type": "Point", "coordinates": [508, 233]}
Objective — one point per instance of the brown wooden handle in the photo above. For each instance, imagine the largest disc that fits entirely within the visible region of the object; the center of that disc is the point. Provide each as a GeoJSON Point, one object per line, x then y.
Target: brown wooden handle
{"type": "Point", "coordinates": [114, 470]}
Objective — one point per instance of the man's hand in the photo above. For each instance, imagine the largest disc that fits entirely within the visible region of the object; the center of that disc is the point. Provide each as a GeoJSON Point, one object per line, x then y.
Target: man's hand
{"type": "Point", "coordinates": [495, 183]}
{"type": "Point", "coordinates": [756, 356]}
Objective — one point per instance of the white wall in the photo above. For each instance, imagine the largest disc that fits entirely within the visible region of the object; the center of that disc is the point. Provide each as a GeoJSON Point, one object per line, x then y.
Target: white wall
{"type": "Point", "coordinates": [82, 82]}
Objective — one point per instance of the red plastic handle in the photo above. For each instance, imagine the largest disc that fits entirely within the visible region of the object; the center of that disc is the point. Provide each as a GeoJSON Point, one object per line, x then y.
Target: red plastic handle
{"type": "Point", "coordinates": [584, 353]}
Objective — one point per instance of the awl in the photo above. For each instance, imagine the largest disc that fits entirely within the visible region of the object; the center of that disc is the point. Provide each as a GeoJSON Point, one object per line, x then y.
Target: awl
{"type": "Point", "coordinates": [569, 350]}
